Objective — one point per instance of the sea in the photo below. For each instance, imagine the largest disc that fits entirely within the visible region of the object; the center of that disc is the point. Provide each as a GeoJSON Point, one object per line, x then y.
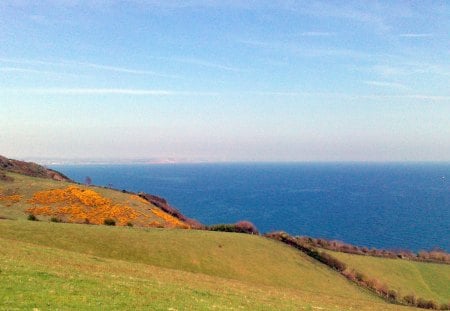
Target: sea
{"type": "Point", "coordinates": [399, 206]}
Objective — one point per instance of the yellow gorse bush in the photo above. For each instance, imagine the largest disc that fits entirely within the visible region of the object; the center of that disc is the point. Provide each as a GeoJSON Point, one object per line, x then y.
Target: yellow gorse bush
{"type": "Point", "coordinates": [169, 218]}
{"type": "Point", "coordinates": [80, 205]}
{"type": "Point", "coordinates": [10, 199]}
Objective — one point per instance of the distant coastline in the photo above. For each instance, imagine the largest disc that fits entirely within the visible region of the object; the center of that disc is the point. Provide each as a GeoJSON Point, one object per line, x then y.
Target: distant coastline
{"type": "Point", "coordinates": [47, 161]}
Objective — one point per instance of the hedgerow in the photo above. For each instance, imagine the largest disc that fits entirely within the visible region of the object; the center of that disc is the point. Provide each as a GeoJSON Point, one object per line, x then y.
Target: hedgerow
{"type": "Point", "coordinates": [305, 245]}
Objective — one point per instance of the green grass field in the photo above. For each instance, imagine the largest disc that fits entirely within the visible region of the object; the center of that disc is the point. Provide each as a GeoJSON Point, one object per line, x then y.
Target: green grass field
{"type": "Point", "coordinates": [48, 265]}
{"type": "Point", "coordinates": [426, 280]}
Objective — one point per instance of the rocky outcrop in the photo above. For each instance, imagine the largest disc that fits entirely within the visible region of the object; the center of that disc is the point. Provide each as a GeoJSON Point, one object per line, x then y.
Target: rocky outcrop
{"type": "Point", "coordinates": [30, 169]}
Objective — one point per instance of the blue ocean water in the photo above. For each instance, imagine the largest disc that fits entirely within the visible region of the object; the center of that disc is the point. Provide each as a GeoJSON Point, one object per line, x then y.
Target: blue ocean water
{"type": "Point", "coordinates": [394, 206]}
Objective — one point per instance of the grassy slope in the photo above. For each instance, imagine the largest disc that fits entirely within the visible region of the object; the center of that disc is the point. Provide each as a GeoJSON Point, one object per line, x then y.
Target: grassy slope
{"type": "Point", "coordinates": [70, 265]}
{"type": "Point", "coordinates": [426, 280]}
{"type": "Point", "coordinates": [27, 186]}
{"type": "Point", "coordinates": [236, 256]}
{"type": "Point", "coordinates": [48, 265]}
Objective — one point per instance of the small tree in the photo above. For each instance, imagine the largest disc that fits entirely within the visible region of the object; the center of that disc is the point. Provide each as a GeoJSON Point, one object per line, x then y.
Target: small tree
{"type": "Point", "coordinates": [410, 299]}
{"type": "Point", "coordinates": [246, 227]}
{"type": "Point", "coordinates": [109, 222]}
{"type": "Point", "coordinates": [88, 181]}
{"type": "Point", "coordinates": [32, 217]}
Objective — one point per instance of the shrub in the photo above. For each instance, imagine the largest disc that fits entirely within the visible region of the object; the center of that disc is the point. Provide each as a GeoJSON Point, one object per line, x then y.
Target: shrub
{"type": "Point", "coordinates": [32, 217]}
{"type": "Point", "coordinates": [239, 227]}
{"type": "Point", "coordinates": [392, 295]}
{"type": "Point", "coordinates": [350, 274]}
{"type": "Point", "coordinates": [331, 261]}
{"type": "Point", "coordinates": [109, 222]}
{"type": "Point", "coordinates": [360, 277]}
{"type": "Point", "coordinates": [194, 224]}
{"type": "Point", "coordinates": [381, 288]}
{"type": "Point", "coordinates": [435, 255]}
{"type": "Point", "coordinates": [88, 181]}
{"type": "Point", "coordinates": [307, 245]}
{"type": "Point", "coordinates": [246, 227]}
{"type": "Point", "coordinates": [426, 304]}
{"type": "Point", "coordinates": [54, 219]}
{"type": "Point", "coordinates": [410, 299]}
{"type": "Point", "coordinates": [222, 227]}
{"type": "Point", "coordinates": [167, 208]}
{"type": "Point", "coordinates": [129, 224]}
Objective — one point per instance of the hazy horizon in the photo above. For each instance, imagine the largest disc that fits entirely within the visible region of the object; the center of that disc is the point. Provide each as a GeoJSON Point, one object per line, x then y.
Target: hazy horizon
{"type": "Point", "coordinates": [225, 81]}
{"type": "Point", "coordinates": [49, 162]}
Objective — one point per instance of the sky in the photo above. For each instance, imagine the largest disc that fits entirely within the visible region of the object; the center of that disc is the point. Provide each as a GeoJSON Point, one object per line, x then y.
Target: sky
{"type": "Point", "coordinates": [233, 81]}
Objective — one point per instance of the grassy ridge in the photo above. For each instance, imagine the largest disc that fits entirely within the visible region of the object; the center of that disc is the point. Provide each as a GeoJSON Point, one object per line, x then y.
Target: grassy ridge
{"type": "Point", "coordinates": [426, 280]}
{"type": "Point", "coordinates": [43, 266]}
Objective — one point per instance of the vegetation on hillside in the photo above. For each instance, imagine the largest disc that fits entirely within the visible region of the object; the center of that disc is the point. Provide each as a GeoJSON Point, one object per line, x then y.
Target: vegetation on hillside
{"type": "Point", "coordinates": [239, 227]}
{"type": "Point", "coordinates": [435, 255]}
{"type": "Point", "coordinates": [431, 281]}
{"type": "Point", "coordinates": [382, 289]}
{"type": "Point", "coordinates": [70, 202]}
{"type": "Point", "coordinates": [163, 205]}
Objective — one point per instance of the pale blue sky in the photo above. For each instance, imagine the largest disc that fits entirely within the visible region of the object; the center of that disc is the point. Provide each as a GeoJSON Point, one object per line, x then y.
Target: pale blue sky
{"type": "Point", "coordinates": [225, 80]}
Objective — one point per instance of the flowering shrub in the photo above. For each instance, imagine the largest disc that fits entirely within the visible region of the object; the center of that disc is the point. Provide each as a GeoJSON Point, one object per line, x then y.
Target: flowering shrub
{"type": "Point", "coordinates": [171, 220]}
{"type": "Point", "coordinates": [10, 199]}
{"type": "Point", "coordinates": [77, 205]}
{"type": "Point", "coordinates": [139, 199]}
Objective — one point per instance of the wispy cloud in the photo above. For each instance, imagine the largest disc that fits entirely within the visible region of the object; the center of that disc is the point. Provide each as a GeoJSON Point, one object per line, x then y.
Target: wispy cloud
{"type": "Point", "coordinates": [26, 70]}
{"type": "Point", "coordinates": [78, 64]}
{"type": "Point", "coordinates": [103, 67]}
{"type": "Point", "coordinates": [37, 71]}
{"type": "Point", "coordinates": [121, 69]}
{"type": "Point", "coordinates": [350, 11]}
{"type": "Point", "coordinates": [410, 68]}
{"type": "Point", "coordinates": [316, 34]}
{"type": "Point", "coordinates": [279, 94]}
{"type": "Point", "coordinates": [416, 35]}
{"type": "Point", "coordinates": [28, 61]}
{"type": "Point", "coordinates": [164, 93]}
{"type": "Point", "coordinates": [202, 63]}
{"type": "Point", "coordinates": [105, 91]}
{"type": "Point", "coordinates": [300, 50]}
{"type": "Point", "coordinates": [349, 96]}
{"type": "Point", "coordinates": [92, 91]}
{"type": "Point", "coordinates": [393, 85]}
{"type": "Point", "coordinates": [385, 70]}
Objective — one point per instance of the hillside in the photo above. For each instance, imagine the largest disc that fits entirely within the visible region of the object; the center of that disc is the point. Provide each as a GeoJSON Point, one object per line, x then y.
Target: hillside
{"type": "Point", "coordinates": [426, 280]}
{"type": "Point", "coordinates": [143, 264]}
{"type": "Point", "coordinates": [161, 269]}
{"type": "Point", "coordinates": [29, 169]}
{"type": "Point", "coordinates": [63, 201]}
